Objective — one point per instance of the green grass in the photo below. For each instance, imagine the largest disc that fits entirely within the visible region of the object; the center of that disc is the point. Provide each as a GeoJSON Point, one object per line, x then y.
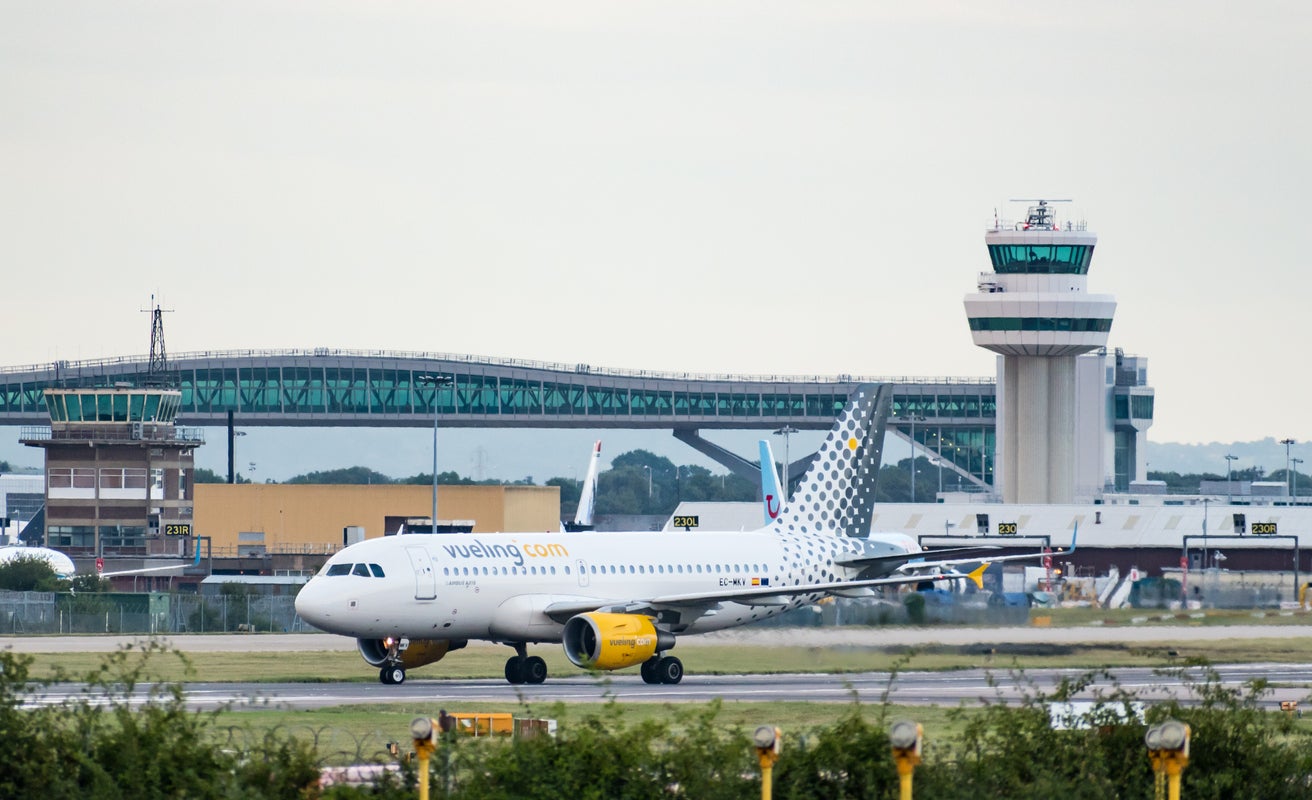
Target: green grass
{"type": "Point", "coordinates": [351, 734]}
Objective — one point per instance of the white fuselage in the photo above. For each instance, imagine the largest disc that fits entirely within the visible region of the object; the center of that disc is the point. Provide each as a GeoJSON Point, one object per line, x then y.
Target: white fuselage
{"type": "Point", "coordinates": [499, 586]}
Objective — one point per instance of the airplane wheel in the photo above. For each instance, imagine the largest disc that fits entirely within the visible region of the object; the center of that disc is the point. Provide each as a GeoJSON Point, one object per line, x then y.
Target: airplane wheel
{"type": "Point", "coordinates": [392, 676]}
{"type": "Point", "coordinates": [535, 670]}
{"type": "Point", "coordinates": [384, 676]}
{"type": "Point", "coordinates": [649, 670]}
{"type": "Point", "coordinates": [515, 669]}
{"type": "Point", "coordinates": [669, 669]}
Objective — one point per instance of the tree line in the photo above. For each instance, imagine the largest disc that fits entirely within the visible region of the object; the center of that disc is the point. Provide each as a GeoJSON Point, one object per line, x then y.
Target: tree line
{"type": "Point", "coordinates": [642, 483]}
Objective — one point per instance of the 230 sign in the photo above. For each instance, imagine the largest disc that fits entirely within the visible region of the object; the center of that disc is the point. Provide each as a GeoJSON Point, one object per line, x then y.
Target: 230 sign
{"type": "Point", "coordinates": [1263, 529]}
{"type": "Point", "coordinates": [1007, 529]}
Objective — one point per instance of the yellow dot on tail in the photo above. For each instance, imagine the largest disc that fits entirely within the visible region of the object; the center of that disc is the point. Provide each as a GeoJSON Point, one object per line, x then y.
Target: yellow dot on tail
{"type": "Point", "coordinates": [851, 443]}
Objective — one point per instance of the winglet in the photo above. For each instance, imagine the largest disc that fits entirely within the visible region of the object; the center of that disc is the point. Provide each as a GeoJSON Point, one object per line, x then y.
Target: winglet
{"type": "Point", "coordinates": [977, 575]}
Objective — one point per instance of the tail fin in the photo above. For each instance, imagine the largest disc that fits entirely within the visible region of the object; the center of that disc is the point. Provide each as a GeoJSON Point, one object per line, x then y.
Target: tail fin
{"type": "Point", "coordinates": [837, 494]}
{"type": "Point", "coordinates": [770, 494]}
{"type": "Point", "coordinates": [588, 498]}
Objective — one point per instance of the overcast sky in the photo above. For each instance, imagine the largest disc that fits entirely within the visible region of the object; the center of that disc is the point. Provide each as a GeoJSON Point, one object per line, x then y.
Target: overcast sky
{"type": "Point", "coordinates": [746, 187]}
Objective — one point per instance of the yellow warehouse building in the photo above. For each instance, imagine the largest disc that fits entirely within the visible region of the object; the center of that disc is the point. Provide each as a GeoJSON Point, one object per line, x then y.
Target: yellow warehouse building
{"type": "Point", "coordinates": [311, 518]}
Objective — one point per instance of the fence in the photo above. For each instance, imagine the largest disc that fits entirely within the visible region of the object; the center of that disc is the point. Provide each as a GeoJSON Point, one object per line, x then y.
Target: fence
{"type": "Point", "coordinates": [149, 613]}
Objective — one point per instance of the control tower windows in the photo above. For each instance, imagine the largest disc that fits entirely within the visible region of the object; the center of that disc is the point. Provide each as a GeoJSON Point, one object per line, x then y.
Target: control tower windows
{"type": "Point", "coordinates": [1032, 259]}
{"type": "Point", "coordinates": [1064, 324]}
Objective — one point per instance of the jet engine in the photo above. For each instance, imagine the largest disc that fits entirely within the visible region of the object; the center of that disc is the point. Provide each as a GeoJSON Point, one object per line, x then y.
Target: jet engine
{"type": "Point", "coordinates": [416, 654]}
{"type": "Point", "coordinates": [613, 641]}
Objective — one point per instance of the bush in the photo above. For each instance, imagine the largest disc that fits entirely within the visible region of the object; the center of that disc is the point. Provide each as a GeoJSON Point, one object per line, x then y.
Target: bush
{"type": "Point", "coordinates": [129, 736]}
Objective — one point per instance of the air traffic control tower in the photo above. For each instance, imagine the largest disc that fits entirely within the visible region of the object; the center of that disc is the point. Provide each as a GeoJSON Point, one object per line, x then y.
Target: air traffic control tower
{"type": "Point", "coordinates": [1034, 312]}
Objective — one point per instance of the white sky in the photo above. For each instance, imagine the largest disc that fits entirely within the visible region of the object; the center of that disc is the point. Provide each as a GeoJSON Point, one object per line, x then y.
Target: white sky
{"type": "Point", "coordinates": [747, 187]}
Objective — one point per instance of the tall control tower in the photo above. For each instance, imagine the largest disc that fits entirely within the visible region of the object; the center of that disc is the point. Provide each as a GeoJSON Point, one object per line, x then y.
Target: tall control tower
{"type": "Point", "coordinates": [1033, 310]}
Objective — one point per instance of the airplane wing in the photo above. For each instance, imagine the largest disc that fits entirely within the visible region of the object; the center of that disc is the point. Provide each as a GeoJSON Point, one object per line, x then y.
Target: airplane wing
{"type": "Point", "coordinates": [143, 570]}
{"type": "Point", "coordinates": [748, 595]}
{"type": "Point", "coordinates": [932, 559]}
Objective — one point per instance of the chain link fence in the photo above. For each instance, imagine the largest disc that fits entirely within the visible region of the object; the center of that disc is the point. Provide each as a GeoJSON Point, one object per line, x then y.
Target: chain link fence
{"type": "Point", "coordinates": [149, 613]}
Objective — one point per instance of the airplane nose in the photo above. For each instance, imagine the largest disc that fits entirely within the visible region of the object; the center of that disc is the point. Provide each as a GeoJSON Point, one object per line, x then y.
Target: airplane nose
{"type": "Point", "coordinates": [311, 603]}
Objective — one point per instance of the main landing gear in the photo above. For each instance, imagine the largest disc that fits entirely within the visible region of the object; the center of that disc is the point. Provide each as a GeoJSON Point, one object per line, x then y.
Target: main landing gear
{"type": "Point", "coordinates": [392, 675]}
{"type": "Point", "coordinates": [662, 669]}
{"type": "Point", "coordinates": [523, 668]}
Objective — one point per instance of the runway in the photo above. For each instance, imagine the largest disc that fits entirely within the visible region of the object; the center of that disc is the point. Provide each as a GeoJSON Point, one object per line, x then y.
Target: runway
{"type": "Point", "coordinates": [952, 688]}
{"type": "Point", "coordinates": [949, 688]}
{"type": "Point", "coordinates": [794, 637]}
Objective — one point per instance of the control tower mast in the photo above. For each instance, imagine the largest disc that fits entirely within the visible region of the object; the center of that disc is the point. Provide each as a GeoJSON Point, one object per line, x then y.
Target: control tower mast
{"type": "Point", "coordinates": [1034, 311]}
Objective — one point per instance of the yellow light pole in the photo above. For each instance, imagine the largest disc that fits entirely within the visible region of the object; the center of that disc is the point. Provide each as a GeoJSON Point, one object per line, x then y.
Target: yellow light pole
{"type": "Point", "coordinates": [768, 741]}
{"type": "Point", "coordinates": [424, 733]}
{"type": "Point", "coordinates": [906, 738]}
{"type": "Point", "coordinates": [1168, 751]}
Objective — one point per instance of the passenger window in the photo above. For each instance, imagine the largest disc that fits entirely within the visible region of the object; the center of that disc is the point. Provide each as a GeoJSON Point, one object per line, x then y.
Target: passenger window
{"type": "Point", "coordinates": [566, 570]}
{"type": "Point", "coordinates": [593, 569]}
{"type": "Point", "coordinates": [612, 569]}
{"type": "Point", "coordinates": [377, 571]}
{"type": "Point", "coordinates": [553, 570]}
{"type": "Point", "coordinates": [446, 570]}
{"type": "Point", "coordinates": [360, 569]}
{"type": "Point", "coordinates": [339, 569]}
{"type": "Point", "coordinates": [642, 569]}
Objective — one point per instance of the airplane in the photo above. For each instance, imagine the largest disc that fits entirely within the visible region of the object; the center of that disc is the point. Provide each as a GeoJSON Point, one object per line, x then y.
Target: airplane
{"type": "Point", "coordinates": [61, 564]}
{"type": "Point", "coordinates": [618, 600]}
{"type": "Point", "coordinates": [588, 497]}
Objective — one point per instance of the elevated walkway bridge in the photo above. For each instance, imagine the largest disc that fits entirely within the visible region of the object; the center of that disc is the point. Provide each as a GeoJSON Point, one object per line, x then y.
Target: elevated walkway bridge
{"type": "Point", "coordinates": [951, 417]}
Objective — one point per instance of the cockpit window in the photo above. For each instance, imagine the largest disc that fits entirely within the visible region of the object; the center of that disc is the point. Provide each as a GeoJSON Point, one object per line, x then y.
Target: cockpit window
{"type": "Point", "coordinates": [361, 569]}
{"type": "Point", "coordinates": [376, 570]}
{"type": "Point", "coordinates": [339, 569]}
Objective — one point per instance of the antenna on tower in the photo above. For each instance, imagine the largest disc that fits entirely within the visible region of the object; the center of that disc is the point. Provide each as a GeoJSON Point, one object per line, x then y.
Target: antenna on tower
{"type": "Point", "coordinates": [157, 372]}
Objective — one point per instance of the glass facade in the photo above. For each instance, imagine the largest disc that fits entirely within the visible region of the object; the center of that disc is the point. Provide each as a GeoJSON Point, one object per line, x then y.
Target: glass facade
{"type": "Point", "coordinates": [112, 406]}
{"type": "Point", "coordinates": [1133, 406]}
{"type": "Point", "coordinates": [1072, 325]}
{"type": "Point", "coordinates": [1032, 259]}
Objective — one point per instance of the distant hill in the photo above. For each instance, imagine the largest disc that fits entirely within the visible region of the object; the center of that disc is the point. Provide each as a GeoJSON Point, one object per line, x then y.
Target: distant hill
{"type": "Point", "coordinates": [1269, 454]}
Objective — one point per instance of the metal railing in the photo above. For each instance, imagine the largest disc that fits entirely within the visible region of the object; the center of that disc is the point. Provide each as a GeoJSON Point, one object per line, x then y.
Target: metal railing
{"type": "Point", "coordinates": [57, 369]}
